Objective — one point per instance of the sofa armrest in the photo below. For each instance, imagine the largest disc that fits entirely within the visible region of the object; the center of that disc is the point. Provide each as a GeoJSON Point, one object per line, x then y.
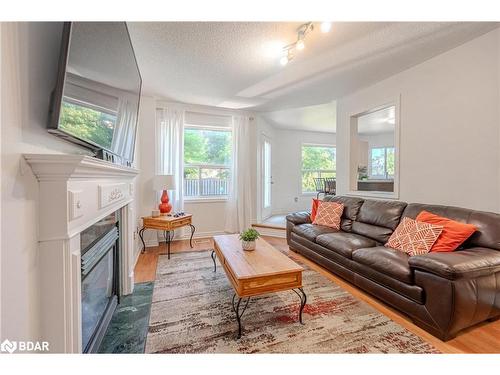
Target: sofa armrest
{"type": "Point", "coordinates": [297, 218]}
{"type": "Point", "coordinates": [469, 263]}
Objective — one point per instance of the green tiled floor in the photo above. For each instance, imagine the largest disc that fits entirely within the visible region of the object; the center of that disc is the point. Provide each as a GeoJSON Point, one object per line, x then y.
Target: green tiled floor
{"type": "Point", "coordinates": [129, 325]}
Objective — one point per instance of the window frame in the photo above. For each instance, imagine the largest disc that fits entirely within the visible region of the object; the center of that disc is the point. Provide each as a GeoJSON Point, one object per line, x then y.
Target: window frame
{"type": "Point", "coordinates": [200, 166]}
{"type": "Point", "coordinates": [330, 145]}
{"type": "Point", "coordinates": [385, 176]}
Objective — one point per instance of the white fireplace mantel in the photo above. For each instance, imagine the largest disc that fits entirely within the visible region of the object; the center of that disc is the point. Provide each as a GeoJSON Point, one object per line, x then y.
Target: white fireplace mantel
{"type": "Point", "coordinates": [76, 191]}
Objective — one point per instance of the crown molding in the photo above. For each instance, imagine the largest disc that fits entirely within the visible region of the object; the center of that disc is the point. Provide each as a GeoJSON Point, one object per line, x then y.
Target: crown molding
{"type": "Point", "coordinates": [65, 167]}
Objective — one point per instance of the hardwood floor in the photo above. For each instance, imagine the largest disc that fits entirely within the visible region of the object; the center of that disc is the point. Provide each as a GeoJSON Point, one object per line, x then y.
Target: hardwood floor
{"type": "Point", "coordinates": [483, 338]}
{"type": "Point", "coordinates": [145, 269]}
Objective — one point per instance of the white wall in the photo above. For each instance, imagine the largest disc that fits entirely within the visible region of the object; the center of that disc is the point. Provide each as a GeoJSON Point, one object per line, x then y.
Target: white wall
{"type": "Point", "coordinates": [286, 166]}
{"type": "Point", "coordinates": [450, 126]}
{"type": "Point", "coordinates": [29, 67]}
{"type": "Point", "coordinates": [30, 53]}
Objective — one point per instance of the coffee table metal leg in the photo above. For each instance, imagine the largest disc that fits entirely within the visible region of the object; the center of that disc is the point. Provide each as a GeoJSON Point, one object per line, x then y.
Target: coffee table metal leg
{"type": "Point", "coordinates": [236, 309]}
{"type": "Point", "coordinates": [214, 255]}
{"type": "Point", "coordinates": [193, 228]}
{"type": "Point", "coordinates": [141, 234]}
{"type": "Point", "coordinates": [303, 300]}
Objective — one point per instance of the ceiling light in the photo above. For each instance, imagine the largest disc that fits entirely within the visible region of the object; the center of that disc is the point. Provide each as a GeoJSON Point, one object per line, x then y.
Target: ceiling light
{"type": "Point", "coordinates": [325, 27]}
{"type": "Point", "coordinates": [284, 60]}
{"type": "Point", "coordinates": [272, 49]}
{"type": "Point", "coordinates": [300, 45]}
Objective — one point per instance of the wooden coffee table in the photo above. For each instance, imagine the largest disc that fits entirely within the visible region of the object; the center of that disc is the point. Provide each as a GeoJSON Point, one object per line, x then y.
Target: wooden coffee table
{"type": "Point", "coordinates": [253, 273]}
{"type": "Point", "coordinates": [167, 224]}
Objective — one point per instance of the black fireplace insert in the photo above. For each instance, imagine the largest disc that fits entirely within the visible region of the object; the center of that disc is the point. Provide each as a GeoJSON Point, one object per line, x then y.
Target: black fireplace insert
{"type": "Point", "coordinates": [100, 279]}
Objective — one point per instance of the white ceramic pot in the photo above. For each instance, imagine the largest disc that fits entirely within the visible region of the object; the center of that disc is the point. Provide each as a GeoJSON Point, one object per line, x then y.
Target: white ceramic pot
{"type": "Point", "coordinates": [248, 245]}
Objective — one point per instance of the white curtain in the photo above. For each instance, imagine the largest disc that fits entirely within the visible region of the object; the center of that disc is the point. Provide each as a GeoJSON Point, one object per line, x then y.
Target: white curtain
{"type": "Point", "coordinates": [170, 150]}
{"type": "Point", "coordinates": [238, 214]}
{"type": "Point", "coordinates": [124, 134]}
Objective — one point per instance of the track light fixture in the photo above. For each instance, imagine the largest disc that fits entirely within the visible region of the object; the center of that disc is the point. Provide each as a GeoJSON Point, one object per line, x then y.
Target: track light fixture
{"type": "Point", "coordinates": [290, 49]}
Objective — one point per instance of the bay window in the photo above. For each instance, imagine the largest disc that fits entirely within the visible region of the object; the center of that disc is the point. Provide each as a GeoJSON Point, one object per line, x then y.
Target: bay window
{"type": "Point", "coordinates": [207, 161]}
{"type": "Point", "coordinates": [318, 161]}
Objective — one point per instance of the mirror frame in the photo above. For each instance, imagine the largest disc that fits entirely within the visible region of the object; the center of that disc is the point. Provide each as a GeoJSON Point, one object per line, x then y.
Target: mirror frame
{"type": "Point", "coordinates": [397, 127]}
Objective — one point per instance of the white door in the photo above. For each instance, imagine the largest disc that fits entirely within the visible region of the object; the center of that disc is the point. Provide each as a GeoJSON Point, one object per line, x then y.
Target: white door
{"type": "Point", "coordinates": [267, 179]}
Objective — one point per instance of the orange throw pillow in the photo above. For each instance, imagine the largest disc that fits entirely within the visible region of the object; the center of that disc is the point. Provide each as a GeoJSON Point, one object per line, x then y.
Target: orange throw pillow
{"type": "Point", "coordinates": [329, 214]}
{"type": "Point", "coordinates": [314, 209]}
{"type": "Point", "coordinates": [414, 237]}
{"type": "Point", "coordinates": [453, 235]}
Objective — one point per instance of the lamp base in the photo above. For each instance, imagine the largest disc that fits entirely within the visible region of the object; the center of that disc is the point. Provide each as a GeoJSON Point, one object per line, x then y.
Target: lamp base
{"type": "Point", "coordinates": [165, 207]}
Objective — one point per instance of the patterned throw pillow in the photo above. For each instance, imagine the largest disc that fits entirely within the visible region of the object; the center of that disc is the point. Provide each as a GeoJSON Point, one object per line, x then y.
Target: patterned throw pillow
{"type": "Point", "coordinates": [329, 214]}
{"type": "Point", "coordinates": [414, 237]}
{"type": "Point", "coordinates": [314, 209]}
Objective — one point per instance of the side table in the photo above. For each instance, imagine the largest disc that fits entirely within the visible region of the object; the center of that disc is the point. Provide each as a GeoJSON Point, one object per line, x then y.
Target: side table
{"type": "Point", "coordinates": [167, 224]}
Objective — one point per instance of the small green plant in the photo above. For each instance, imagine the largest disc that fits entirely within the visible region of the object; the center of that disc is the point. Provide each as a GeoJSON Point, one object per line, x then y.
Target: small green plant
{"type": "Point", "coordinates": [249, 235]}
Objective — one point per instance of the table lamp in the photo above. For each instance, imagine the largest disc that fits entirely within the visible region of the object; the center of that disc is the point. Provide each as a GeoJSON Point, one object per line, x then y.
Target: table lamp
{"type": "Point", "coordinates": [164, 183]}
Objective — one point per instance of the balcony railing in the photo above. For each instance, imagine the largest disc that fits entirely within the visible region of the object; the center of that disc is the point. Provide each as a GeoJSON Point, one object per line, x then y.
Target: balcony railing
{"type": "Point", "coordinates": [206, 187]}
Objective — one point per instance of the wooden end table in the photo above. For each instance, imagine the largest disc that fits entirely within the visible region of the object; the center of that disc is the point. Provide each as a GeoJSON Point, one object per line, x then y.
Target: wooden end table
{"type": "Point", "coordinates": [257, 272]}
{"type": "Point", "coordinates": [166, 223]}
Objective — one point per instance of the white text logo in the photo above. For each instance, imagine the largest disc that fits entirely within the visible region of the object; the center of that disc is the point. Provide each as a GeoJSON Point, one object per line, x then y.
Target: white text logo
{"type": "Point", "coordinates": [8, 346]}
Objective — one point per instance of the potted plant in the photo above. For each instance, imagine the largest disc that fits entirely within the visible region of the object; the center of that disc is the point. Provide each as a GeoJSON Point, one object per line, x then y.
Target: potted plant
{"type": "Point", "coordinates": [248, 238]}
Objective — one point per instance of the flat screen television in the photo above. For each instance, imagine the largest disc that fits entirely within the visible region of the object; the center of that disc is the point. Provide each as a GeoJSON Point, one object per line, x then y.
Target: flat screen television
{"type": "Point", "coordinates": [96, 99]}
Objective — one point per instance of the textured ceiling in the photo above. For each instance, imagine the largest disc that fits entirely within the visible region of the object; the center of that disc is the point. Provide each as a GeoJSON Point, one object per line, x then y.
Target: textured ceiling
{"type": "Point", "coordinates": [319, 118]}
{"type": "Point", "coordinates": [236, 64]}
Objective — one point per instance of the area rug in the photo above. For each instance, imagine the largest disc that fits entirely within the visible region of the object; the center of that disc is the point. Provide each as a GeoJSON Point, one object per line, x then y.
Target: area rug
{"type": "Point", "coordinates": [191, 313]}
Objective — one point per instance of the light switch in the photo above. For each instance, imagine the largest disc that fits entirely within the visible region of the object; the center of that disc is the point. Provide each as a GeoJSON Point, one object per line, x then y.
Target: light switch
{"type": "Point", "coordinates": [75, 204]}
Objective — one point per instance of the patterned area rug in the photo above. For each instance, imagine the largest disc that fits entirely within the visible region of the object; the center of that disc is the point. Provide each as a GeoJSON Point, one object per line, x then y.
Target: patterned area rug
{"type": "Point", "coordinates": [191, 313]}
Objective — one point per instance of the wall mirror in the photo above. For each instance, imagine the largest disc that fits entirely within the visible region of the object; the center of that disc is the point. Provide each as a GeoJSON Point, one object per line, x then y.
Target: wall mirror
{"type": "Point", "coordinates": [374, 152]}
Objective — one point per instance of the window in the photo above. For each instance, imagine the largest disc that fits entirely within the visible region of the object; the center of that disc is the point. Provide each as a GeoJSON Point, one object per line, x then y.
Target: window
{"type": "Point", "coordinates": [207, 161]}
{"type": "Point", "coordinates": [382, 162]}
{"type": "Point", "coordinates": [318, 161]}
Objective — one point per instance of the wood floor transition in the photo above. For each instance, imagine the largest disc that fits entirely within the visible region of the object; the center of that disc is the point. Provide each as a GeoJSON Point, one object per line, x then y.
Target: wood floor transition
{"type": "Point", "coordinates": [483, 338]}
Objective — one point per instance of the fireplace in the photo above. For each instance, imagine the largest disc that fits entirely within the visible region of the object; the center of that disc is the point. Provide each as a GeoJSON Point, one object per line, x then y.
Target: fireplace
{"type": "Point", "coordinates": [100, 279]}
{"type": "Point", "coordinates": [87, 246]}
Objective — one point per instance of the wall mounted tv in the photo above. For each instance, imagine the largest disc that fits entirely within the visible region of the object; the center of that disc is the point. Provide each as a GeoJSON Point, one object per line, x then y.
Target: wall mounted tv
{"type": "Point", "coordinates": [96, 99]}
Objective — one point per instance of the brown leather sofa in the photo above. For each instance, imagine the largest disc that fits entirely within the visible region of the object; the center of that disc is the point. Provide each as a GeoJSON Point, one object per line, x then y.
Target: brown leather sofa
{"type": "Point", "coordinates": [442, 292]}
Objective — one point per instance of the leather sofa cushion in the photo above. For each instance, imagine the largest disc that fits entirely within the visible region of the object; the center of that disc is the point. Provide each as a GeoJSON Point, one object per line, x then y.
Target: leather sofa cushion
{"type": "Point", "coordinates": [344, 243]}
{"type": "Point", "coordinates": [385, 214]}
{"type": "Point", "coordinates": [379, 234]}
{"type": "Point", "coordinates": [488, 230]}
{"type": "Point", "coordinates": [387, 261]}
{"type": "Point", "coordinates": [377, 219]}
{"type": "Point", "coordinates": [299, 217]}
{"type": "Point", "coordinates": [321, 250]}
{"type": "Point", "coordinates": [311, 231]}
{"type": "Point", "coordinates": [351, 209]}
{"type": "Point", "coordinates": [410, 291]}
{"type": "Point", "coordinates": [473, 262]}
{"type": "Point", "coordinates": [487, 223]}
